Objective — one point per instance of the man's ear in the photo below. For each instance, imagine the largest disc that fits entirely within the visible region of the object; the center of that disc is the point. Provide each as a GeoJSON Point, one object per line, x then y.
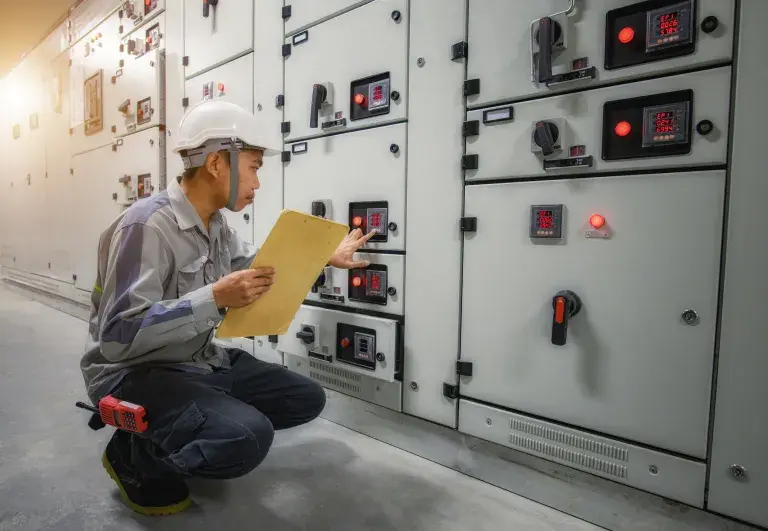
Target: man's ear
{"type": "Point", "coordinates": [214, 164]}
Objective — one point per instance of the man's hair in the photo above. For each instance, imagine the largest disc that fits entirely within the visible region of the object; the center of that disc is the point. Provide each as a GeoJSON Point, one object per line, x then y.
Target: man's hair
{"type": "Point", "coordinates": [191, 172]}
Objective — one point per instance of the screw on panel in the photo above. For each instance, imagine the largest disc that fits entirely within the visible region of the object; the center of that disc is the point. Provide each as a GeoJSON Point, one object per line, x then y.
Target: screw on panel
{"type": "Point", "coordinates": [738, 472]}
{"type": "Point", "coordinates": [396, 15]}
{"type": "Point", "coordinates": [420, 62]}
{"type": "Point", "coordinates": [258, 107]}
{"type": "Point", "coordinates": [489, 421]}
{"type": "Point", "coordinates": [414, 386]}
{"type": "Point", "coordinates": [653, 469]}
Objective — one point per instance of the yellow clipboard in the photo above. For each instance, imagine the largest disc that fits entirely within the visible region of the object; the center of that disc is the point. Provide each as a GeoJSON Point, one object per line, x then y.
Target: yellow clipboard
{"type": "Point", "coordinates": [298, 247]}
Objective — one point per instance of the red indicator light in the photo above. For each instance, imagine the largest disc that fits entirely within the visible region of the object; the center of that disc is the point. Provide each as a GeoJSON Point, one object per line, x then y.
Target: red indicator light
{"type": "Point", "coordinates": [357, 281]}
{"type": "Point", "coordinates": [597, 221]}
{"type": "Point", "coordinates": [344, 342]}
{"type": "Point", "coordinates": [357, 221]}
{"type": "Point", "coordinates": [623, 128]}
{"type": "Point", "coordinates": [626, 35]}
{"type": "Point", "coordinates": [221, 87]}
{"type": "Point", "coordinates": [359, 99]}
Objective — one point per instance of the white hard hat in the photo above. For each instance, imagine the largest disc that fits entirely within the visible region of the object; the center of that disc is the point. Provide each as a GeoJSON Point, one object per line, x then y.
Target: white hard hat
{"type": "Point", "coordinates": [212, 126]}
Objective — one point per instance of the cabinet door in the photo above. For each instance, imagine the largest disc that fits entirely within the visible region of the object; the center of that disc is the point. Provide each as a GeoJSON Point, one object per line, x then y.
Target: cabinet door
{"type": "Point", "coordinates": [601, 41]}
{"type": "Point", "coordinates": [374, 67]}
{"type": "Point", "coordinates": [217, 34]}
{"type": "Point", "coordinates": [611, 328]}
{"type": "Point", "coordinates": [355, 179]}
{"type": "Point", "coordinates": [306, 12]}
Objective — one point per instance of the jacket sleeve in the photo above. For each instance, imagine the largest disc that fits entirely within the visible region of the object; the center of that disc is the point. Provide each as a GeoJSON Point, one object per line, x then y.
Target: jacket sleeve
{"type": "Point", "coordinates": [133, 318]}
{"type": "Point", "coordinates": [241, 252]}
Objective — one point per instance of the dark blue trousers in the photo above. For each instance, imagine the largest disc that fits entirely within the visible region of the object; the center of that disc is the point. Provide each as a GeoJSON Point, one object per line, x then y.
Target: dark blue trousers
{"type": "Point", "coordinates": [218, 425]}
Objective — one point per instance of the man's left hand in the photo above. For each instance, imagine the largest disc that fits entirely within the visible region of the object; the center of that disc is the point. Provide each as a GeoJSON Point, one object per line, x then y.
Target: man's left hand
{"type": "Point", "coordinates": [342, 257]}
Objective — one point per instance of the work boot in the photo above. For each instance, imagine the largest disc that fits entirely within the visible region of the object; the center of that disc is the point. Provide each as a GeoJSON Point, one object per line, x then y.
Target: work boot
{"type": "Point", "coordinates": [150, 497]}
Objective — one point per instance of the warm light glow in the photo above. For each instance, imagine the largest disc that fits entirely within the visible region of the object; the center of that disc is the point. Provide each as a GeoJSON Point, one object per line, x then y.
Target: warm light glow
{"type": "Point", "coordinates": [597, 221]}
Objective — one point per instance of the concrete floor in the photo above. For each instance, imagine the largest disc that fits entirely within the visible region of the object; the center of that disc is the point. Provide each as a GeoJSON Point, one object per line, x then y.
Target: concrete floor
{"type": "Point", "coordinates": [318, 477]}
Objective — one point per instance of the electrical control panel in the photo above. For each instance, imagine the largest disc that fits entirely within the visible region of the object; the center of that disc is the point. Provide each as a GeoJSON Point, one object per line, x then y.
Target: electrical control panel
{"type": "Point", "coordinates": [136, 13]}
{"type": "Point", "coordinates": [608, 129]}
{"type": "Point", "coordinates": [648, 126]}
{"type": "Point", "coordinates": [364, 185]}
{"type": "Point", "coordinates": [596, 43]}
{"type": "Point", "coordinates": [369, 87]}
{"type": "Point", "coordinates": [605, 315]}
{"type": "Point", "coordinates": [363, 344]}
{"type": "Point", "coordinates": [376, 288]}
{"type": "Point", "coordinates": [139, 87]}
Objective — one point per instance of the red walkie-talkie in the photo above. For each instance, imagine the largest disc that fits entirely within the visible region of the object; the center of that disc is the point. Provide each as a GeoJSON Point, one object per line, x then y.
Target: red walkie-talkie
{"type": "Point", "coordinates": [119, 414]}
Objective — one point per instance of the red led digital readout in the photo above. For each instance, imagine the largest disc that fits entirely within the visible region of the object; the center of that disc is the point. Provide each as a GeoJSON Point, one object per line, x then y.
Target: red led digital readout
{"type": "Point", "coordinates": [375, 282]}
{"type": "Point", "coordinates": [665, 122]}
{"type": "Point", "coordinates": [669, 23]}
{"type": "Point", "coordinates": [375, 220]}
{"type": "Point", "coordinates": [545, 219]}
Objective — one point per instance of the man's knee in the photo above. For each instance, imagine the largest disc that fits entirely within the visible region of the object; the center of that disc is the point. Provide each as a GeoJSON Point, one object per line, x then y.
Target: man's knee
{"type": "Point", "coordinates": [227, 445]}
{"type": "Point", "coordinates": [313, 399]}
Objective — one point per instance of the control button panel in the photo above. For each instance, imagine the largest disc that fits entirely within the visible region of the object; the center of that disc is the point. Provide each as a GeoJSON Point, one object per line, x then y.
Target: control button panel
{"type": "Point", "coordinates": [649, 31]}
{"type": "Point", "coordinates": [546, 222]}
{"type": "Point", "coordinates": [144, 186]}
{"type": "Point", "coordinates": [648, 126]}
{"type": "Point", "coordinates": [370, 97]}
{"type": "Point", "coordinates": [149, 6]}
{"type": "Point", "coordinates": [368, 284]}
{"type": "Point", "coordinates": [369, 216]}
{"type": "Point", "coordinates": [144, 111]}
{"type": "Point", "coordinates": [356, 345]}
{"type": "Point", "coordinates": [153, 37]}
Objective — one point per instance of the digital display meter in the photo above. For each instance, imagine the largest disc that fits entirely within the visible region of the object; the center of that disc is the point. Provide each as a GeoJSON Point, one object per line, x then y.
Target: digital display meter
{"type": "Point", "coordinates": [666, 124]}
{"type": "Point", "coordinates": [669, 26]}
{"type": "Point", "coordinates": [546, 222]}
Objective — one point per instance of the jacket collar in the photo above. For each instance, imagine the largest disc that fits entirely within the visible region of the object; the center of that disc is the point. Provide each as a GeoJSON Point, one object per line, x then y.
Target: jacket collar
{"type": "Point", "coordinates": [186, 215]}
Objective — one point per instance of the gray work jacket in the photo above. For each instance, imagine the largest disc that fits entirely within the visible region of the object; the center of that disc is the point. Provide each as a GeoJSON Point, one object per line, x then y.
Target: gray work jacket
{"type": "Point", "coordinates": [153, 299]}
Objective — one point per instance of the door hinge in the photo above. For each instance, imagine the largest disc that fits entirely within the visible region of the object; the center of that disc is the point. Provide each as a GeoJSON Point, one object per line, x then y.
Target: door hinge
{"type": "Point", "coordinates": [472, 87]}
{"type": "Point", "coordinates": [286, 12]}
{"type": "Point", "coordinates": [185, 60]}
{"type": "Point", "coordinates": [285, 127]}
{"type": "Point", "coordinates": [286, 50]}
{"type": "Point", "coordinates": [280, 100]}
{"type": "Point", "coordinates": [464, 368]}
{"type": "Point", "coordinates": [285, 156]}
{"type": "Point", "coordinates": [470, 162]}
{"type": "Point", "coordinates": [468, 224]}
{"type": "Point", "coordinates": [185, 102]}
{"type": "Point", "coordinates": [471, 128]}
{"type": "Point", "coordinates": [450, 391]}
{"type": "Point", "coordinates": [460, 50]}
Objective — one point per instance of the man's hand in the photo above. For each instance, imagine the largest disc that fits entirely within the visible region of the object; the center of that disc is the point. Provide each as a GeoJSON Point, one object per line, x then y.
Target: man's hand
{"type": "Point", "coordinates": [242, 287]}
{"type": "Point", "coordinates": [342, 257]}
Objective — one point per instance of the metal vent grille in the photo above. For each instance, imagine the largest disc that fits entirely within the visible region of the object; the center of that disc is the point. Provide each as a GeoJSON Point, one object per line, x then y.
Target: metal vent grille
{"type": "Point", "coordinates": [563, 454]}
{"type": "Point", "coordinates": [335, 378]}
{"type": "Point", "coordinates": [335, 371]}
{"type": "Point", "coordinates": [569, 439]}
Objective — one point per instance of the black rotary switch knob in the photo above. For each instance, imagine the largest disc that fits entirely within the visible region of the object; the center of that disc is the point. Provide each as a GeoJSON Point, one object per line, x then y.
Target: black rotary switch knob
{"type": "Point", "coordinates": [395, 95]}
{"type": "Point", "coordinates": [709, 24]}
{"type": "Point", "coordinates": [565, 304]}
{"type": "Point", "coordinates": [307, 335]}
{"type": "Point", "coordinates": [705, 127]}
{"type": "Point", "coordinates": [380, 356]}
{"type": "Point", "coordinates": [392, 226]}
{"type": "Point", "coordinates": [545, 136]}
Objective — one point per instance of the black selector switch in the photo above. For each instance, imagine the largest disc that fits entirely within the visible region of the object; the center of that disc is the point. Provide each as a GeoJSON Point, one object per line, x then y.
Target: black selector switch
{"type": "Point", "coordinates": [307, 335]}
{"type": "Point", "coordinates": [319, 94]}
{"type": "Point", "coordinates": [318, 209]}
{"type": "Point", "coordinates": [321, 280]}
{"type": "Point", "coordinates": [566, 304]}
{"type": "Point", "coordinates": [207, 5]}
{"type": "Point", "coordinates": [546, 39]}
{"type": "Point", "coordinates": [705, 127]}
{"type": "Point", "coordinates": [545, 136]}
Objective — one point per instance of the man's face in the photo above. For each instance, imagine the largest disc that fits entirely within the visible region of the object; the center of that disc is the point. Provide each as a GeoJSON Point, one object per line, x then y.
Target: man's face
{"type": "Point", "coordinates": [249, 163]}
